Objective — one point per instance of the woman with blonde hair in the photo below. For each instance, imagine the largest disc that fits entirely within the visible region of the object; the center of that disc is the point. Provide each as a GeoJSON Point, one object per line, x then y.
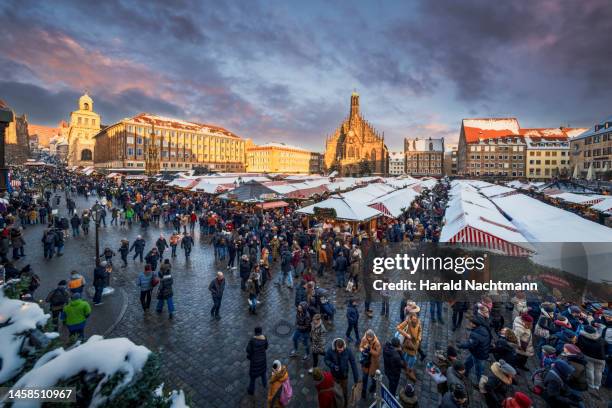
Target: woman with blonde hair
{"type": "Point", "coordinates": [412, 332]}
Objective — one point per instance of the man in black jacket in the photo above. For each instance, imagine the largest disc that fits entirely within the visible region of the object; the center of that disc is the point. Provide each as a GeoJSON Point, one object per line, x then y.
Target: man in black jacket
{"type": "Point", "coordinates": [216, 288]}
{"type": "Point", "coordinates": [256, 354]}
{"type": "Point", "coordinates": [394, 363]}
{"type": "Point", "coordinates": [99, 281]}
{"type": "Point", "coordinates": [339, 359]}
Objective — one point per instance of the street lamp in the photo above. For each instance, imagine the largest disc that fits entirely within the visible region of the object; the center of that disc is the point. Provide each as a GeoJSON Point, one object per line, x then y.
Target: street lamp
{"type": "Point", "coordinates": [97, 215]}
{"type": "Point", "coordinates": [6, 117]}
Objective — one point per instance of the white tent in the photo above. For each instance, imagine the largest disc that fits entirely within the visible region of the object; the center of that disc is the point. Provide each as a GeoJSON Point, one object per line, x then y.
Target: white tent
{"type": "Point", "coordinates": [583, 199]}
{"type": "Point", "coordinates": [603, 206]}
{"type": "Point", "coordinates": [473, 220]}
{"type": "Point", "coordinates": [576, 173]}
{"type": "Point", "coordinates": [345, 209]}
{"type": "Point", "coordinates": [395, 202]}
{"type": "Point", "coordinates": [368, 193]}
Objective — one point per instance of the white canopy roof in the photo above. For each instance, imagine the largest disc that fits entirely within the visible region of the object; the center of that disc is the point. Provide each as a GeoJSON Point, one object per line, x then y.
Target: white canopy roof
{"type": "Point", "coordinates": [603, 206]}
{"type": "Point", "coordinates": [346, 209]}
{"type": "Point", "coordinates": [580, 198]}
{"type": "Point", "coordinates": [393, 203]}
{"type": "Point", "coordinates": [540, 222]}
{"type": "Point", "coordinates": [368, 193]}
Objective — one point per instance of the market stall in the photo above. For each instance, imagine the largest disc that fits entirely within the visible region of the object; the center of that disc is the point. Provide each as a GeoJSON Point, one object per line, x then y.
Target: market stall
{"type": "Point", "coordinates": [393, 204]}
{"type": "Point", "coordinates": [338, 209]}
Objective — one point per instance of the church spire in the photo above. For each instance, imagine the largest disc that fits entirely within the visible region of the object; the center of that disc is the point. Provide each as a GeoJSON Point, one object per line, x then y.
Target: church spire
{"type": "Point", "coordinates": [354, 104]}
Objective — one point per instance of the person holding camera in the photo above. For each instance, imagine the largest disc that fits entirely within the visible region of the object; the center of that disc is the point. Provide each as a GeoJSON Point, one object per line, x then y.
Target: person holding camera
{"type": "Point", "coordinates": [370, 360]}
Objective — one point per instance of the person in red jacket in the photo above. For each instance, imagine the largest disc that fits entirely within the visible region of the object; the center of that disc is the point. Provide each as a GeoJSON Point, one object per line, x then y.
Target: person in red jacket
{"type": "Point", "coordinates": [324, 382]}
{"type": "Point", "coordinates": [519, 400]}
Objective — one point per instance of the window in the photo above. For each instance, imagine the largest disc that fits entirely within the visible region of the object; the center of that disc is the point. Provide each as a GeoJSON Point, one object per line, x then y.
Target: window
{"type": "Point", "coordinates": [139, 140]}
{"type": "Point", "coordinates": [139, 152]}
{"type": "Point", "coordinates": [79, 120]}
{"type": "Point", "coordinates": [130, 151]}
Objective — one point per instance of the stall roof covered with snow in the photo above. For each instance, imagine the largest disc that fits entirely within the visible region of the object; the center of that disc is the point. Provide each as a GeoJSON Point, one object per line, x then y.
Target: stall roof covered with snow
{"type": "Point", "coordinates": [393, 204]}
{"type": "Point", "coordinates": [582, 199]}
{"type": "Point", "coordinates": [251, 192]}
{"type": "Point", "coordinates": [344, 209]}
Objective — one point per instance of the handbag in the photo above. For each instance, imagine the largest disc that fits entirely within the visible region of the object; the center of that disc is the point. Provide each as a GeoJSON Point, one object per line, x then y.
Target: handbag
{"type": "Point", "coordinates": [350, 285]}
{"type": "Point", "coordinates": [154, 281]}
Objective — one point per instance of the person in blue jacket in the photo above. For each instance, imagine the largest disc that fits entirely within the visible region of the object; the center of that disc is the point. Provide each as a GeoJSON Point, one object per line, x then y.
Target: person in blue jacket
{"type": "Point", "coordinates": [479, 346]}
{"type": "Point", "coordinates": [339, 359]}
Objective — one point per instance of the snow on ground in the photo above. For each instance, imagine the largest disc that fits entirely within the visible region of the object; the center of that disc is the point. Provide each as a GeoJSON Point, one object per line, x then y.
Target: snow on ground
{"type": "Point", "coordinates": [104, 356]}
{"type": "Point", "coordinates": [16, 319]}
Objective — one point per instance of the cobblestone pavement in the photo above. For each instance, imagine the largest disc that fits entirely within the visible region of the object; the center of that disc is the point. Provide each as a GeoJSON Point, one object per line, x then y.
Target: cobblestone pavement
{"type": "Point", "coordinates": [207, 357]}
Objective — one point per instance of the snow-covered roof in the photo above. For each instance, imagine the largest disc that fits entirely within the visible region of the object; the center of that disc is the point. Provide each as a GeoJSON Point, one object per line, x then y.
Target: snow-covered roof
{"type": "Point", "coordinates": [424, 145]}
{"type": "Point", "coordinates": [278, 145]}
{"type": "Point", "coordinates": [399, 182]}
{"type": "Point", "coordinates": [604, 205]}
{"type": "Point", "coordinates": [489, 128]}
{"type": "Point", "coordinates": [580, 198]}
{"type": "Point", "coordinates": [183, 182]}
{"type": "Point", "coordinates": [393, 203]}
{"type": "Point", "coordinates": [346, 210]}
{"type": "Point", "coordinates": [601, 130]}
{"type": "Point", "coordinates": [472, 218]}
{"type": "Point", "coordinates": [368, 193]}
{"type": "Point", "coordinates": [540, 222]}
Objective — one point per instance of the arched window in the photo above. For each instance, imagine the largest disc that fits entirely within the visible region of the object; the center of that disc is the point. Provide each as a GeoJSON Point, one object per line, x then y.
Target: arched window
{"type": "Point", "coordinates": [431, 147]}
{"type": "Point", "coordinates": [373, 154]}
{"type": "Point", "coordinates": [86, 155]}
{"type": "Point", "coordinates": [85, 106]}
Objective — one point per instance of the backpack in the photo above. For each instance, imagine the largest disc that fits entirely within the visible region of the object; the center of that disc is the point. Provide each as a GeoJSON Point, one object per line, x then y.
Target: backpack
{"type": "Point", "coordinates": [286, 393]}
{"type": "Point", "coordinates": [58, 297]}
{"type": "Point", "coordinates": [49, 237]}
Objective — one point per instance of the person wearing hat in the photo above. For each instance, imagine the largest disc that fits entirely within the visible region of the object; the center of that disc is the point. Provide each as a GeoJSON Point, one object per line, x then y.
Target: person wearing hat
{"type": "Point", "coordinates": [574, 316]}
{"type": "Point", "coordinates": [99, 281]}
{"type": "Point", "coordinates": [456, 397]}
{"type": "Point", "coordinates": [518, 400]}
{"type": "Point", "coordinates": [499, 383]}
{"type": "Point", "coordinates": [544, 327]}
{"type": "Point", "coordinates": [277, 378]}
{"type": "Point", "coordinates": [593, 347]}
{"type": "Point", "coordinates": [412, 332]}
{"type": "Point", "coordinates": [522, 328]}
{"type": "Point", "coordinates": [327, 396]}
{"type": "Point", "coordinates": [549, 356]}
{"type": "Point", "coordinates": [394, 364]}
{"type": "Point", "coordinates": [577, 382]}
{"type": "Point", "coordinates": [339, 359]}
{"type": "Point", "coordinates": [57, 299]}
{"type": "Point", "coordinates": [317, 338]}
{"type": "Point", "coordinates": [556, 392]}
{"type": "Point", "coordinates": [370, 350]}
{"type": "Point", "coordinates": [456, 375]}
{"type": "Point", "coordinates": [75, 314]}
{"type": "Point", "coordinates": [165, 293]}
{"type": "Point", "coordinates": [506, 346]}
{"type": "Point", "coordinates": [256, 354]}
{"type": "Point", "coordinates": [479, 346]}
{"type": "Point", "coordinates": [407, 397]}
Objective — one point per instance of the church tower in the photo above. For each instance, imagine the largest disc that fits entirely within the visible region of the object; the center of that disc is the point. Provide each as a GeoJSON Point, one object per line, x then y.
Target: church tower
{"type": "Point", "coordinates": [84, 124]}
{"type": "Point", "coordinates": [354, 104]}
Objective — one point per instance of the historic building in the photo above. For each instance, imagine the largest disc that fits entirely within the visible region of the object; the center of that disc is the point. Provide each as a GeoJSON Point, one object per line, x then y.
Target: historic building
{"type": "Point", "coordinates": [424, 157]}
{"type": "Point", "coordinates": [548, 152]}
{"type": "Point", "coordinates": [356, 148]}
{"type": "Point", "coordinates": [84, 124]}
{"type": "Point", "coordinates": [593, 148]}
{"type": "Point", "coordinates": [277, 158]}
{"type": "Point", "coordinates": [16, 139]}
{"type": "Point", "coordinates": [181, 145]}
{"type": "Point", "coordinates": [450, 160]}
{"type": "Point", "coordinates": [499, 147]}
{"type": "Point", "coordinates": [316, 163]}
{"type": "Point", "coordinates": [397, 163]}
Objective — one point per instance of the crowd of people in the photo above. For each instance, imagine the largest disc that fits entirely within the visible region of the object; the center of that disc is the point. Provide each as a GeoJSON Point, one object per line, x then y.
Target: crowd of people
{"type": "Point", "coordinates": [549, 347]}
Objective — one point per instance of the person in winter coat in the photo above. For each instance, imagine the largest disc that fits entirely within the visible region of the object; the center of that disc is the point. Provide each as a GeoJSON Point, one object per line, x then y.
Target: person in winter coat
{"type": "Point", "coordinates": [153, 258]}
{"type": "Point", "coordinates": [506, 346]}
{"type": "Point", "coordinates": [371, 350]}
{"type": "Point", "coordinates": [244, 270]}
{"type": "Point", "coordinates": [187, 244]}
{"type": "Point", "coordinates": [407, 397]}
{"type": "Point", "coordinates": [76, 284]}
{"type": "Point", "coordinates": [456, 397]}
{"type": "Point", "coordinates": [256, 354]}
{"type": "Point", "coordinates": [352, 318]}
{"type": "Point", "coordinates": [17, 242]}
{"type": "Point", "coordinates": [324, 383]}
{"type": "Point", "coordinates": [216, 288]}
{"type": "Point", "coordinates": [518, 400]}
{"type": "Point", "coordinates": [138, 246]}
{"type": "Point", "coordinates": [164, 293]}
{"type": "Point", "coordinates": [251, 289]}
{"type": "Point", "coordinates": [161, 244]}
{"type": "Point", "coordinates": [339, 359]}
{"type": "Point", "coordinates": [48, 241]}
{"type": "Point", "coordinates": [75, 314]}
{"type": "Point", "coordinates": [341, 266]}
{"type": "Point", "coordinates": [317, 339]}
{"type": "Point", "coordinates": [522, 328]}
{"type": "Point", "coordinates": [499, 383]}
{"type": "Point", "coordinates": [479, 346]}
{"type": "Point", "coordinates": [323, 261]}
{"type": "Point", "coordinates": [456, 375]}
{"type": "Point", "coordinates": [412, 332]}
{"type": "Point", "coordinates": [545, 327]}
{"type": "Point", "coordinates": [556, 392]}
{"type": "Point", "coordinates": [275, 389]}
{"type": "Point", "coordinates": [593, 347]}
{"type": "Point", "coordinates": [394, 363]}
{"type": "Point", "coordinates": [302, 330]}
{"type": "Point", "coordinates": [57, 299]}
{"type": "Point", "coordinates": [577, 381]}
{"type": "Point", "coordinates": [99, 281]}
{"type": "Point", "coordinates": [124, 249]}
{"type": "Point", "coordinates": [174, 241]}
{"type": "Point", "coordinates": [145, 283]}
{"type": "Point", "coordinates": [459, 308]}
{"type": "Point", "coordinates": [75, 223]}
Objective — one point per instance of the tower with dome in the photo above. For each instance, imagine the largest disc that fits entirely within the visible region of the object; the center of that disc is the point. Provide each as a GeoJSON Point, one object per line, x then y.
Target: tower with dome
{"type": "Point", "coordinates": [84, 124]}
{"type": "Point", "coordinates": [356, 148]}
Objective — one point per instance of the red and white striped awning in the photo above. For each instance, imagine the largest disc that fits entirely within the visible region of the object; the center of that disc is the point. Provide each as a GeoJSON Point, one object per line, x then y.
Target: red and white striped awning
{"type": "Point", "coordinates": [15, 183]}
{"type": "Point", "coordinates": [475, 237]}
{"type": "Point", "coordinates": [381, 207]}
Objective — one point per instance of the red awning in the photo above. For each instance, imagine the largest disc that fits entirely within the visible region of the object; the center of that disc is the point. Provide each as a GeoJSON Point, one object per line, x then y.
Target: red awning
{"type": "Point", "coordinates": [273, 204]}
